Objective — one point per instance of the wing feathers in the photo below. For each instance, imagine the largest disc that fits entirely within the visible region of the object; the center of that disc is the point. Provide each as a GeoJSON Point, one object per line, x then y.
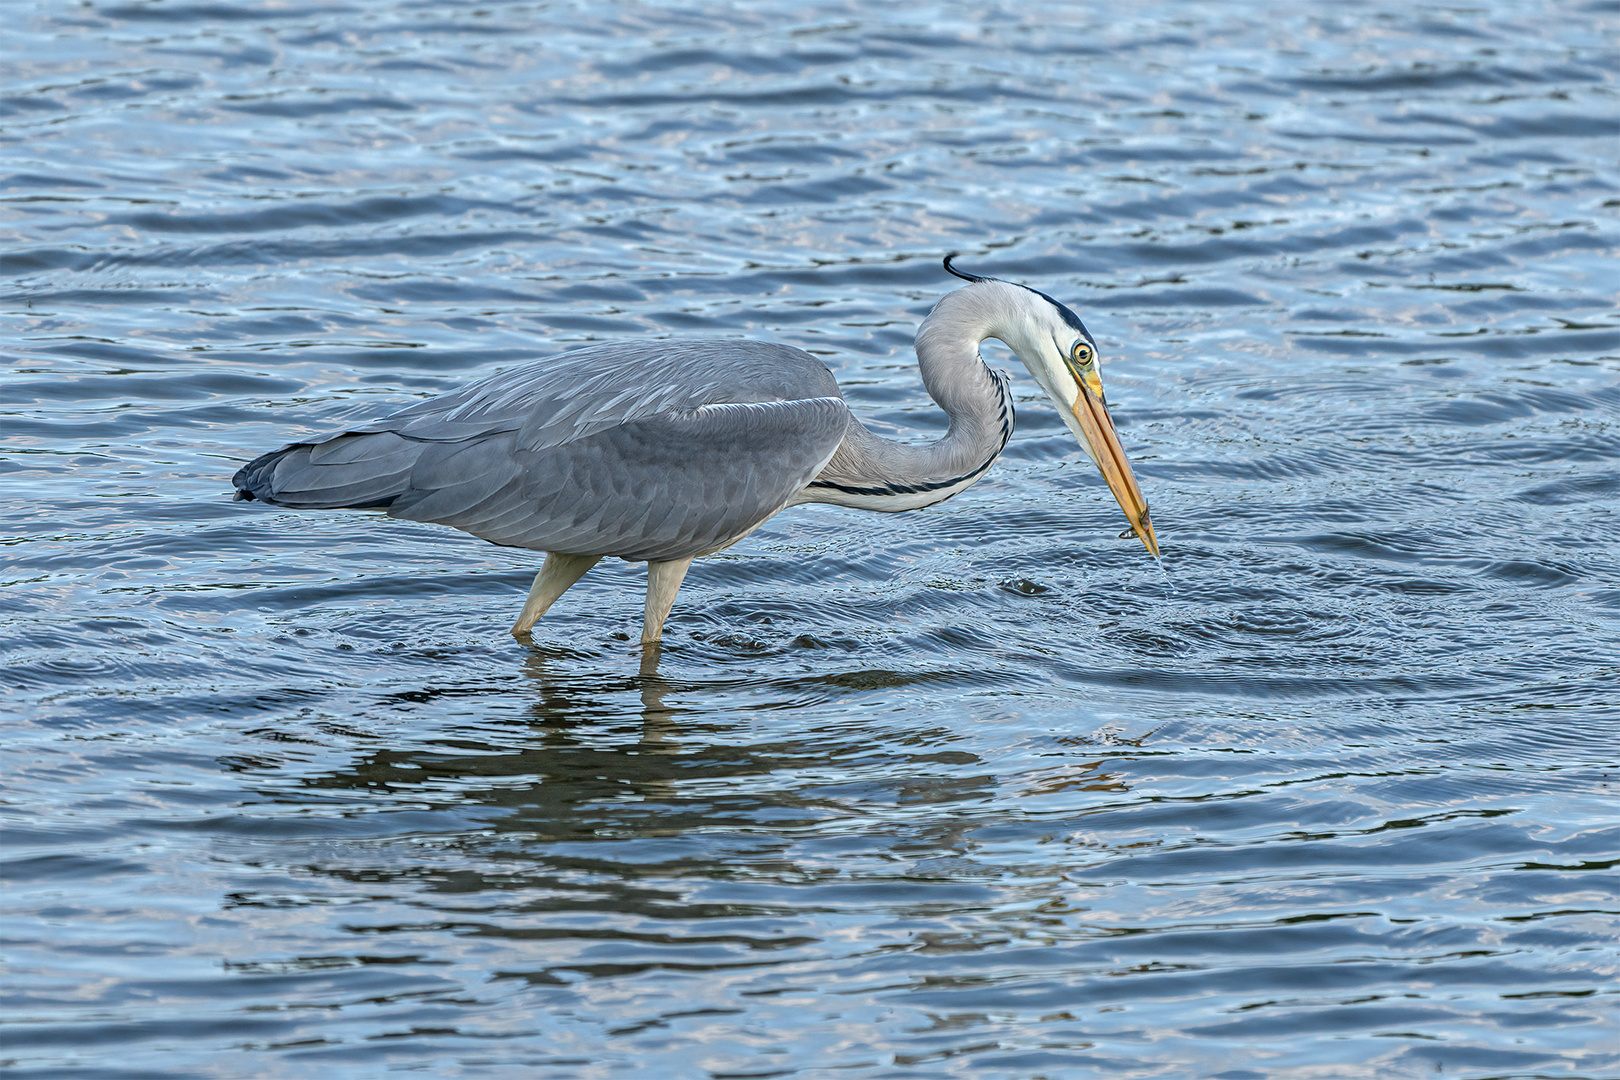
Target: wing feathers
{"type": "Point", "coordinates": [352, 449]}
{"type": "Point", "coordinates": [291, 477]}
{"type": "Point", "coordinates": [457, 483]}
{"type": "Point", "coordinates": [657, 452]}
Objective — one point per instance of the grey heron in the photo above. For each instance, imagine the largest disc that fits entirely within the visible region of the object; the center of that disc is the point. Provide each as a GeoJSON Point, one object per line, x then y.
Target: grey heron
{"type": "Point", "coordinates": [664, 451]}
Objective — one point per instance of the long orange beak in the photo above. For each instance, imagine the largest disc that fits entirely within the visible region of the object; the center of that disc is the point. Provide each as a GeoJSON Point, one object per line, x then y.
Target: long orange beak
{"type": "Point", "coordinates": [1098, 427]}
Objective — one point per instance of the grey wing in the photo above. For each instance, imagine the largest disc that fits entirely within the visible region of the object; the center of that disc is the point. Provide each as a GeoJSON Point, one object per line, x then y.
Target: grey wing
{"type": "Point", "coordinates": [444, 459]}
{"type": "Point", "coordinates": [662, 487]}
{"type": "Point", "coordinates": [578, 394]}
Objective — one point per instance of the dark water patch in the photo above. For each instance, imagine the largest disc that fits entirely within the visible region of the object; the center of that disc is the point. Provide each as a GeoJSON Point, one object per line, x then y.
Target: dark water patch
{"type": "Point", "coordinates": [249, 253]}
{"type": "Point", "coordinates": [783, 63]}
{"type": "Point", "coordinates": [1417, 77]}
{"type": "Point", "coordinates": [37, 259]}
{"type": "Point", "coordinates": [22, 104]}
{"type": "Point", "coordinates": [60, 867]}
{"type": "Point", "coordinates": [92, 387]}
{"type": "Point", "coordinates": [43, 301]}
{"type": "Point", "coordinates": [829, 191]}
{"type": "Point", "coordinates": [34, 181]}
{"type": "Point", "coordinates": [805, 95]}
{"type": "Point", "coordinates": [1572, 491]}
{"type": "Point", "coordinates": [512, 153]}
{"type": "Point", "coordinates": [280, 106]}
{"type": "Point", "coordinates": [1183, 298]}
{"type": "Point", "coordinates": [304, 215]}
{"type": "Point", "coordinates": [106, 351]}
{"type": "Point", "coordinates": [201, 13]}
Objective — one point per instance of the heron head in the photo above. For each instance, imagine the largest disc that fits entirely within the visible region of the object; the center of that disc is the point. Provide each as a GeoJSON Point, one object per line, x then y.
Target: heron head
{"type": "Point", "coordinates": [1063, 358]}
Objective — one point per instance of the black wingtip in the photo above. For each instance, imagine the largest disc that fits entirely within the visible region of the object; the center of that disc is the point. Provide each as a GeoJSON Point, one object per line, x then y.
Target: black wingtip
{"type": "Point", "coordinates": [252, 481]}
{"type": "Point", "coordinates": [964, 275]}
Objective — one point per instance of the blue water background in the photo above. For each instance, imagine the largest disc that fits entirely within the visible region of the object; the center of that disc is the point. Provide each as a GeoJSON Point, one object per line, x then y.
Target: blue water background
{"type": "Point", "coordinates": [981, 791]}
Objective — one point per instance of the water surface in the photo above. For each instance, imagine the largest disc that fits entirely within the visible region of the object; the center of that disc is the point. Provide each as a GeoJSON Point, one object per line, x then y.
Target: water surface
{"type": "Point", "coordinates": [980, 791]}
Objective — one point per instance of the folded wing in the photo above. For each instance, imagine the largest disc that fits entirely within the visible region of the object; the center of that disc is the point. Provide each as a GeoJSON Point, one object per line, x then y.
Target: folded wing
{"type": "Point", "coordinates": [657, 453]}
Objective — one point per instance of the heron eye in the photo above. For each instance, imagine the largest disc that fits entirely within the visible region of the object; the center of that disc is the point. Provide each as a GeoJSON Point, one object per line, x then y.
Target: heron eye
{"type": "Point", "coordinates": [1081, 353]}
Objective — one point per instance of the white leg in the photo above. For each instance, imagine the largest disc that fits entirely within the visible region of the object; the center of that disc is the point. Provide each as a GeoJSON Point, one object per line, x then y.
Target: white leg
{"type": "Point", "coordinates": [663, 582]}
{"type": "Point", "coordinates": [558, 572]}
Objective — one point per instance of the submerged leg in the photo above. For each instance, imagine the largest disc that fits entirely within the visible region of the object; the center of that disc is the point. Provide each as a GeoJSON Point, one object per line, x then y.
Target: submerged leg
{"type": "Point", "coordinates": [663, 582]}
{"type": "Point", "coordinates": [558, 572]}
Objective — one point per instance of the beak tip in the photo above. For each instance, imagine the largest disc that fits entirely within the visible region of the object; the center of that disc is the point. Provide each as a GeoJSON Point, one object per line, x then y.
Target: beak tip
{"type": "Point", "coordinates": [1102, 443]}
{"type": "Point", "coordinates": [1144, 533]}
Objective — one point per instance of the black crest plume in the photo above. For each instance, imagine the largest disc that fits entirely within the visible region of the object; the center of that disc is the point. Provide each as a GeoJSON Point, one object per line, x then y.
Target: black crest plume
{"type": "Point", "coordinates": [964, 275]}
{"type": "Point", "coordinates": [1068, 316]}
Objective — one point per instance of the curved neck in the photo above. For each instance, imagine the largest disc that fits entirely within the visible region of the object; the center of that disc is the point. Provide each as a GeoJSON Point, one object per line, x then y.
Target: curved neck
{"type": "Point", "coordinates": [875, 473]}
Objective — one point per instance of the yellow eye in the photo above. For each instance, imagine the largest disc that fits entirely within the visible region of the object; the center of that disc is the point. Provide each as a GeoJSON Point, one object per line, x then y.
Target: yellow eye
{"type": "Point", "coordinates": [1081, 353]}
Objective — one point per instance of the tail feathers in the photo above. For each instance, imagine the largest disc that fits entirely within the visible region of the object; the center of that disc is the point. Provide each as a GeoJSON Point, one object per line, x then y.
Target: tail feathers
{"type": "Point", "coordinates": [357, 471]}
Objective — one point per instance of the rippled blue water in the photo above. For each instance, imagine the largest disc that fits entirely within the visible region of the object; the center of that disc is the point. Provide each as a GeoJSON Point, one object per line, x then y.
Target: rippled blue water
{"type": "Point", "coordinates": [977, 791]}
